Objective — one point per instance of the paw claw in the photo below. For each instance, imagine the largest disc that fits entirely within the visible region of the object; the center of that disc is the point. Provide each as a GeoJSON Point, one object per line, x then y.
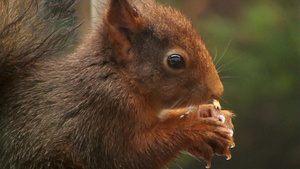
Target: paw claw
{"type": "Point", "coordinates": [231, 132]}
{"type": "Point", "coordinates": [227, 153]}
{"type": "Point", "coordinates": [208, 164]}
{"type": "Point", "coordinates": [232, 145]}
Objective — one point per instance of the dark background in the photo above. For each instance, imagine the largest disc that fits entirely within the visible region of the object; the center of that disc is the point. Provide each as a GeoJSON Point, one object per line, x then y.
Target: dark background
{"type": "Point", "coordinates": [256, 44]}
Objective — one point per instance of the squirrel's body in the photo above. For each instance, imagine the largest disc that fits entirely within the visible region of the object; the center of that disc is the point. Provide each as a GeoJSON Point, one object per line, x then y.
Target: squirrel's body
{"type": "Point", "coordinates": [99, 106]}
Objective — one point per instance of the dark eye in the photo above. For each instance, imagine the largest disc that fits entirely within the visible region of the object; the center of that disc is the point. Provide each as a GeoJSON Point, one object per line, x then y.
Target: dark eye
{"type": "Point", "coordinates": [176, 61]}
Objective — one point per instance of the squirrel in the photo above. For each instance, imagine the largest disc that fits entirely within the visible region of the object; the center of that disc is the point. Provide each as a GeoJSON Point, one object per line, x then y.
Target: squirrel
{"type": "Point", "coordinates": [131, 95]}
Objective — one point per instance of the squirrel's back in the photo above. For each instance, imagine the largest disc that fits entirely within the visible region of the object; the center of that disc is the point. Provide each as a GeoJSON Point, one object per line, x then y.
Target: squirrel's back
{"type": "Point", "coordinates": [32, 29]}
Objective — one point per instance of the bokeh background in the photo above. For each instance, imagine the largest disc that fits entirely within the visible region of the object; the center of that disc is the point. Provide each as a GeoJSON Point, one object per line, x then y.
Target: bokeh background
{"type": "Point", "coordinates": [256, 47]}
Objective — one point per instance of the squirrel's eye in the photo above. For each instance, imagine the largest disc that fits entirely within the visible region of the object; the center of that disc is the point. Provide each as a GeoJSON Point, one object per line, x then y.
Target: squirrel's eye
{"type": "Point", "coordinates": [176, 61]}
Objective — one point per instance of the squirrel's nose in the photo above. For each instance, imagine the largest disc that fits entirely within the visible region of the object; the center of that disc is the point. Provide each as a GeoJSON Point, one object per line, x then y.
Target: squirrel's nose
{"type": "Point", "coordinates": [216, 87]}
{"type": "Point", "coordinates": [217, 90]}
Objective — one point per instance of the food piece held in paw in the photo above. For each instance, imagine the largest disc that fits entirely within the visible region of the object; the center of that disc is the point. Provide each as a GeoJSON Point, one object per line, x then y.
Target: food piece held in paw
{"type": "Point", "coordinates": [215, 140]}
{"type": "Point", "coordinates": [211, 111]}
{"type": "Point", "coordinates": [223, 116]}
{"type": "Point", "coordinates": [218, 146]}
{"type": "Point", "coordinates": [217, 104]}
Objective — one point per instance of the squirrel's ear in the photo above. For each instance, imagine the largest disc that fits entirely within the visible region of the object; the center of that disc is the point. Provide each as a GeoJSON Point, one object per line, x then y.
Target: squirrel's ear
{"type": "Point", "coordinates": [122, 22]}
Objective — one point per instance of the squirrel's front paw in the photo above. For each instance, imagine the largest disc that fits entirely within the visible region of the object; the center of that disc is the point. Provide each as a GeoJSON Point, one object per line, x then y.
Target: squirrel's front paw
{"type": "Point", "coordinates": [218, 134]}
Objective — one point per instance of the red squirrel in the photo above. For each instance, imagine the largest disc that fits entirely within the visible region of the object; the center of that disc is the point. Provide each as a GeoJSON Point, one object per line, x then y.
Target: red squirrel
{"type": "Point", "coordinates": [132, 95]}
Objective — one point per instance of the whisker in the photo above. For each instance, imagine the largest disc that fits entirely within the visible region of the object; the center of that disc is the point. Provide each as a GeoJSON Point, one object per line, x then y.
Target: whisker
{"type": "Point", "coordinates": [178, 164]}
{"type": "Point", "coordinates": [229, 77]}
{"type": "Point", "coordinates": [191, 119]}
{"type": "Point", "coordinates": [185, 98]}
{"type": "Point", "coordinates": [234, 77]}
{"type": "Point", "coordinates": [225, 83]}
{"type": "Point", "coordinates": [226, 101]}
{"type": "Point", "coordinates": [166, 167]}
{"type": "Point", "coordinates": [224, 52]}
{"type": "Point", "coordinates": [221, 68]}
{"type": "Point", "coordinates": [194, 157]}
{"type": "Point", "coordinates": [216, 55]}
{"type": "Point", "coordinates": [180, 100]}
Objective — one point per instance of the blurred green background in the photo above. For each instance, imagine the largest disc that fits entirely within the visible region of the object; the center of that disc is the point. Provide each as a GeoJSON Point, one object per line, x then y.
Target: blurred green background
{"type": "Point", "coordinates": [256, 46]}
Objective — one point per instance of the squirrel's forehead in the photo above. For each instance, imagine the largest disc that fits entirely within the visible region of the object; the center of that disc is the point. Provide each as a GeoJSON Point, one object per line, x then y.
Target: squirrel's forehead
{"type": "Point", "coordinates": [169, 23]}
{"type": "Point", "coordinates": [166, 24]}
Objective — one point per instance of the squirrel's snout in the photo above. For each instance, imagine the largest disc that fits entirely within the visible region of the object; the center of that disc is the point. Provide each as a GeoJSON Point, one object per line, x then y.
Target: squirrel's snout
{"type": "Point", "coordinates": [214, 84]}
{"type": "Point", "coordinates": [217, 91]}
{"type": "Point", "coordinates": [216, 88]}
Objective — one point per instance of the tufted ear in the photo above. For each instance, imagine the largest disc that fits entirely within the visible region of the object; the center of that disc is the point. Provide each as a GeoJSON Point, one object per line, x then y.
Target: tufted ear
{"type": "Point", "coordinates": [122, 22]}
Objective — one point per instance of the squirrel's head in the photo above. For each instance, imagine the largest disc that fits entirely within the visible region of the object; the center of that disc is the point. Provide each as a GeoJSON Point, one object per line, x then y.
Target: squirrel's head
{"type": "Point", "coordinates": [163, 54]}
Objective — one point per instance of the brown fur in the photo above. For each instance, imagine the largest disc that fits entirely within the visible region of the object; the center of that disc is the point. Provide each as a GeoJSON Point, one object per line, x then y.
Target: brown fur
{"type": "Point", "coordinates": [99, 107]}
